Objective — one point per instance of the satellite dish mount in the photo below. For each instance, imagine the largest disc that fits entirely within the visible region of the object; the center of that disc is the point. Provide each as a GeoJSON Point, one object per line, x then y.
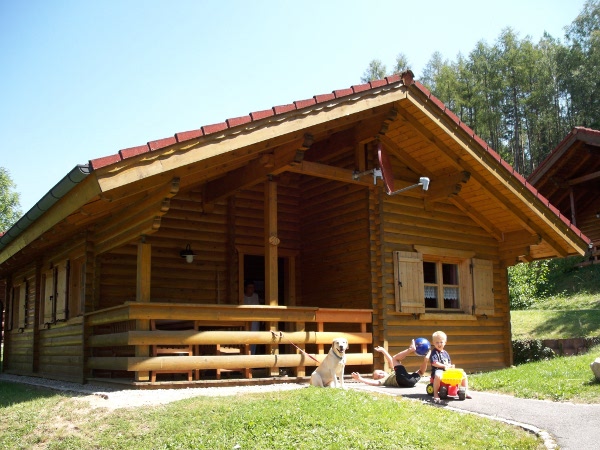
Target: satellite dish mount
{"type": "Point", "coordinates": [384, 171]}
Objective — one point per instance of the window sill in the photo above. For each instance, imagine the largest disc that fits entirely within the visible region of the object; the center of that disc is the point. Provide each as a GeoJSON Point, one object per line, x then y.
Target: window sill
{"type": "Point", "coordinates": [447, 316]}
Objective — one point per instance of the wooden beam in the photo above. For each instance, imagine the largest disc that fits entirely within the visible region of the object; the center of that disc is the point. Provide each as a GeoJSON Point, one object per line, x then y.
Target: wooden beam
{"type": "Point", "coordinates": [584, 178]}
{"type": "Point", "coordinates": [271, 243]}
{"type": "Point", "coordinates": [143, 281]}
{"type": "Point", "coordinates": [446, 187]}
{"type": "Point", "coordinates": [326, 171]}
{"type": "Point", "coordinates": [251, 174]}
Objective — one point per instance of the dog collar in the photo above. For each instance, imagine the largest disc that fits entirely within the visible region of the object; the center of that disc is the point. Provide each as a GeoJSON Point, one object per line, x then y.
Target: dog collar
{"type": "Point", "coordinates": [337, 356]}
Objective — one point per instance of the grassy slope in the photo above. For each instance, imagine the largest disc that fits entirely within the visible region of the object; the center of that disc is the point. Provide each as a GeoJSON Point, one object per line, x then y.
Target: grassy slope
{"type": "Point", "coordinates": [571, 309]}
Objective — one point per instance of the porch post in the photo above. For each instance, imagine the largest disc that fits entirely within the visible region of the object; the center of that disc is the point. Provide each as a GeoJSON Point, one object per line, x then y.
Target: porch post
{"type": "Point", "coordinates": [271, 242]}
{"type": "Point", "coordinates": [144, 264]}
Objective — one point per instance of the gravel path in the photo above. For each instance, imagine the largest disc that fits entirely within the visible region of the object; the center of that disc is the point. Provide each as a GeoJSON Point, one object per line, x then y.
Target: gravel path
{"type": "Point", "coordinates": [113, 398]}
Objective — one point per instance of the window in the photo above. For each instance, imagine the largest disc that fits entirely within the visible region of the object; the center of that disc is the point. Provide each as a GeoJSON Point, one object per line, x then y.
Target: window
{"type": "Point", "coordinates": [432, 281]}
{"type": "Point", "coordinates": [441, 281]}
{"type": "Point", "coordinates": [55, 284]}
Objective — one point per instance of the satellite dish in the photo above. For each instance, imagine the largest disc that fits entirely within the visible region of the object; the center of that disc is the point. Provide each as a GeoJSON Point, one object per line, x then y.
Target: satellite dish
{"type": "Point", "coordinates": [386, 169]}
{"type": "Point", "coordinates": [385, 172]}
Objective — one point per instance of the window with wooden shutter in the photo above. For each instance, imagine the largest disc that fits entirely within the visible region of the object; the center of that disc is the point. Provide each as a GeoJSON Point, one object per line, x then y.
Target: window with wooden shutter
{"type": "Point", "coordinates": [61, 292]}
{"type": "Point", "coordinates": [483, 286]}
{"type": "Point", "coordinates": [22, 308]}
{"type": "Point", "coordinates": [48, 303]}
{"type": "Point", "coordinates": [408, 278]}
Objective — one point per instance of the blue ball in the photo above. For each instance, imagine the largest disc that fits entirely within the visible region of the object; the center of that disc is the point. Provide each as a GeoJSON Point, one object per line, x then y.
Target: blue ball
{"type": "Point", "coordinates": [422, 346]}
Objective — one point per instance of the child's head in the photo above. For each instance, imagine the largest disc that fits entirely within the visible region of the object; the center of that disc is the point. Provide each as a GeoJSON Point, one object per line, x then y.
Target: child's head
{"type": "Point", "coordinates": [379, 374]}
{"type": "Point", "coordinates": [438, 339]}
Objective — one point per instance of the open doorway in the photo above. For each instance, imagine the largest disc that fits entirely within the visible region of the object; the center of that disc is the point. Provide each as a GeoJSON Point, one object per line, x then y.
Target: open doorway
{"type": "Point", "coordinates": [254, 270]}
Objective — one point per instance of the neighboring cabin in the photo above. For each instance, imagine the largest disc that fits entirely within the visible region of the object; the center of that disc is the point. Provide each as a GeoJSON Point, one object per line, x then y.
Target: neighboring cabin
{"type": "Point", "coordinates": [274, 197]}
{"type": "Point", "coordinates": [570, 179]}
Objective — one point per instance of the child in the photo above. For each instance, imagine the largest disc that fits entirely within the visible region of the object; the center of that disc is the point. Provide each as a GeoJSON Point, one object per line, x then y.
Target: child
{"type": "Point", "coordinates": [440, 361]}
{"type": "Point", "coordinates": [399, 377]}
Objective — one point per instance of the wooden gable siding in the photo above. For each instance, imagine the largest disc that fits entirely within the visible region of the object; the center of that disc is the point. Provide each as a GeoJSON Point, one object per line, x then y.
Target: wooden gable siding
{"type": "Point", "coordinates": [471, 339]}
{"type": "Point", "coordinates": [335, 255]}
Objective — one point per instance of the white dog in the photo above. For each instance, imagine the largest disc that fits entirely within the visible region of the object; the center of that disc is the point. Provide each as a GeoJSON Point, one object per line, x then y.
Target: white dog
{"type": "Point", "coordinates": [332, 368]}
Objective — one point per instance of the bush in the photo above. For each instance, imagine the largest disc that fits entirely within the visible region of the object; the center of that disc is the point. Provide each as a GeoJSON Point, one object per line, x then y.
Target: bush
{"type": "Point", "coordinates": [526, 283]}
{"type": "Point", "coordinates": [529, 350]}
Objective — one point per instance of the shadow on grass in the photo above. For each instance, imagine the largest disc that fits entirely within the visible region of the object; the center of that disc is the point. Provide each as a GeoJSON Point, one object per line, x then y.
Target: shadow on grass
{"type": "Point", "coordinates": [12, 393]}
{"type": "Point", "coordinates": [581, 323]}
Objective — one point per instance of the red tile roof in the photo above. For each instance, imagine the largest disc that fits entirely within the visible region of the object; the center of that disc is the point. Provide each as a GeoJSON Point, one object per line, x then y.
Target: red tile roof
{"type": "Point", "coordinates": [406, 78]}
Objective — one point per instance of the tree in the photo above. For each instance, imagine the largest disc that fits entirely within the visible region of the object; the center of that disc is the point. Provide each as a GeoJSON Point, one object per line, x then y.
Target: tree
{"type": "Point", "coordinates": [375, 71]}
{"type": "Point", "coordinates": [402, 63]}
{"type": "Point", "coordinates": [10, 209]}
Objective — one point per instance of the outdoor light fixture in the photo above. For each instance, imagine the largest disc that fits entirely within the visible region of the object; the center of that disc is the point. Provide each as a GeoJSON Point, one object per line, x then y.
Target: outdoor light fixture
{"type": "Point", "coordinates": [188, 254]}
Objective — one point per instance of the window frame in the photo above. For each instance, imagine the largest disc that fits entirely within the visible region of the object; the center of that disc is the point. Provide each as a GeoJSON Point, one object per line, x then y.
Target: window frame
{"type": "Point", "coordinates": [475, 278]}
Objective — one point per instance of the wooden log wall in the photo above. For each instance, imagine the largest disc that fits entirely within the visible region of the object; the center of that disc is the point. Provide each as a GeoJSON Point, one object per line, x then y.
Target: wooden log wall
{"type": "Point", "coordinates": [19, 344]}
{"type": "Point", "coordinates": [213, 235]}
{"type": "Point", "coordinates": [335, 258]}
{"type": "Point", "coordinates": [474, 342]}
{"type": "Point", "coordinates": [61, 352]}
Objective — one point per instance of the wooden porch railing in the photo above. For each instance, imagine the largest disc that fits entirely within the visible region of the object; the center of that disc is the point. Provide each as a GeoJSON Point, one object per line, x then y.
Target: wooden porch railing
{"type": "Point", "coordinates": [126, 327]}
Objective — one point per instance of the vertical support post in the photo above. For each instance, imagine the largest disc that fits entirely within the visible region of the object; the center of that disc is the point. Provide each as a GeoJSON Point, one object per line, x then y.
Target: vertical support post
{"type": "Point", "coordinates": [573, 212]}
{"type": "Point", "coordinates": [271, 243]}
{"type": "Point", "coordinates": [143, 279]}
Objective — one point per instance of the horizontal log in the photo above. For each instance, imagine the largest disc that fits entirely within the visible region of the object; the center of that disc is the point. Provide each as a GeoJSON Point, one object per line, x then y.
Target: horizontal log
{"type": "Point", "coordinates": [166, 363]}
{"type": "Point", "coordinates": [60, 341]}
{"type": "Point", "coordinates": [344, 316]}
{"type": "Point", "coordinates": [191, 337]}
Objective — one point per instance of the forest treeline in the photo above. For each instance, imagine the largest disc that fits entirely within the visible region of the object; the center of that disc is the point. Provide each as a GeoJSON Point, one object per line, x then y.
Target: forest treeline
{"type": "Point", "coordinates": [521, 97]}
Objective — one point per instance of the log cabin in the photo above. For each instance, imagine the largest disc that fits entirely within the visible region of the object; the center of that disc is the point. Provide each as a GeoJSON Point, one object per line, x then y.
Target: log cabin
{"type": "Point", "coordinates": [569, 178]}
{"type": "Point", "coordinates": [370, 212]}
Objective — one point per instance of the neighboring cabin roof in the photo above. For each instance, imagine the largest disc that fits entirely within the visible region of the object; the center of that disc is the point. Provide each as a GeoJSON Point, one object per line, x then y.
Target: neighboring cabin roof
{"type": "Point", "coordinates": [113, 172]}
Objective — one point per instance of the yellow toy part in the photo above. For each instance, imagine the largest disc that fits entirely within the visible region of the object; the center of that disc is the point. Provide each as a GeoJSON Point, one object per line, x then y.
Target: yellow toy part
{"type": "Point", "coordinates": [452, 376]}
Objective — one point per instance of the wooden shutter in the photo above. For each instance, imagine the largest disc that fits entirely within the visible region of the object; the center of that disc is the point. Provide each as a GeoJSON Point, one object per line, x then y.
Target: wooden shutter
{"type": "Point", "coordinates": [465, 277]}
{"type": "Point", "coordinates": [408, 278]}
{"type": "Point", "coordinates": [49, 297]}
{"type": "Point", "coordinates": [62, 280]}
{"type": "Point", "coordinates": [22, 308]}
{"type": "Point", "coordinates": [483, 286]}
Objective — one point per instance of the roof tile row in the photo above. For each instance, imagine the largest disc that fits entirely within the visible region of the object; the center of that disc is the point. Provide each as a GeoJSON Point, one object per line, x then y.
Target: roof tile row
{"type": "Point", "coordinates": [237, 121]}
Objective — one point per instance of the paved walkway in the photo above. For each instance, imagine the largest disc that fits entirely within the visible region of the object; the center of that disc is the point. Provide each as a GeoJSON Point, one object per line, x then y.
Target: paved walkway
{"type": "Point", "coordinates": [570, 426]}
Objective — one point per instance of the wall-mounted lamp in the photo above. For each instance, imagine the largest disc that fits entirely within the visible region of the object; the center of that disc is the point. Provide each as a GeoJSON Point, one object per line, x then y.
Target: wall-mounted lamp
{"type": "Point", "coordinates": [188, 254]}
{"type": "Point", "coordinates": [598, 215]}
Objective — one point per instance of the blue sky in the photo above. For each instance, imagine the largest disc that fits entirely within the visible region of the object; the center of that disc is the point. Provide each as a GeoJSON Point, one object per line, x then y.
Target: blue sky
{"type": "Point", "coordinates": [84, 79]}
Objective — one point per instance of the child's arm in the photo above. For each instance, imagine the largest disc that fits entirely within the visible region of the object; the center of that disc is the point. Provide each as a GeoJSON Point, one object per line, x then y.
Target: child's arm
{"type": "Point", "coordinates": [356, 376]}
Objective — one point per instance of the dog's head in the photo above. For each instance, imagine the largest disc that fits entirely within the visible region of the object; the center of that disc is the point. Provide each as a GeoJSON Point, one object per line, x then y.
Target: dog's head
{"type": "Point", "coordinates": [339, 346]}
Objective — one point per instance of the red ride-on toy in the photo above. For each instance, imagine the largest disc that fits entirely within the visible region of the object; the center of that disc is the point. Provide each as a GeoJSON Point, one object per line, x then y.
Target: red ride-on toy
{"type": "Point", "coordinates": [450, 384]}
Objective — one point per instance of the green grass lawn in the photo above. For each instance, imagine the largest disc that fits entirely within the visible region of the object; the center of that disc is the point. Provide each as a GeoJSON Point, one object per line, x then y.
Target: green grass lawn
{"type": "Point", "coordinates": [567, 378]}
{"type": "Point", "coordinates": [308, 418]}
{"type": "Point", "coordinates": [558, 317]}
